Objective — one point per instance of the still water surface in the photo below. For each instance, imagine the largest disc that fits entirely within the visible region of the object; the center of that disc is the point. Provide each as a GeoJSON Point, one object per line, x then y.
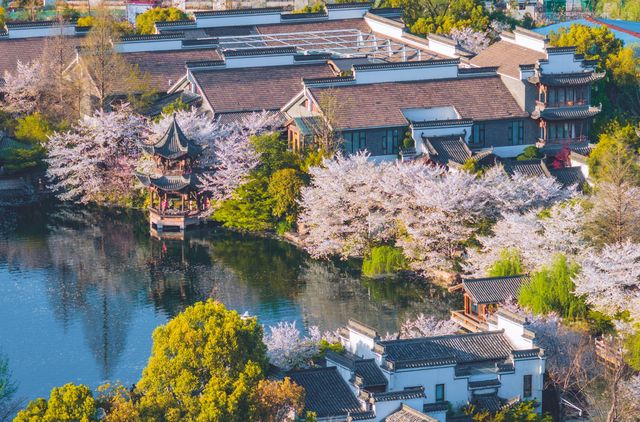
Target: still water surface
{"type": "Point", "coordinates": [82, 290]}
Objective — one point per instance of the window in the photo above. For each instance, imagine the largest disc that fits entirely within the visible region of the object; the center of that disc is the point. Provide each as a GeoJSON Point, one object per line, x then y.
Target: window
{"type": "Point", "coordinates": [516, 132]}
{"type": "Point", "coordinates": [390, 141]}
{"type": "Point", "coordinates": [527, 387]}
{"type": "Point", "coordinates": [439, 392]}
{"type": "Point", "coordinates": [477, 134]}
{"type": "Point", "coordinates": [354, 141]}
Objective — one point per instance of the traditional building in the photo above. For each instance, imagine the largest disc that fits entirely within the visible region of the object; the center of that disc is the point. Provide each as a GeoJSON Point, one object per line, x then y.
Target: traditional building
{"type": "Point", "coordinates": [482, 297]}
{"type": "Point", "coordinates": [175, 201]}
{"type": "Point", "coordinates": [424, 379]}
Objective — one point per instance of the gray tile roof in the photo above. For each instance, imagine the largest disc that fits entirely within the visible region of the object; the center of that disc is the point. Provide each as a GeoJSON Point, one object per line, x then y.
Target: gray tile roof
{"type": "Point", "coordinates": [408, 414]}
{"type": "Point", "coordinates": [406, 394]}
{"type": "Point", "coordinates": [492, 383]}
{"type": "Point", "coordinates": [532, 168]}
{"type": "Point", "coordinates": [494, 289]}
{"type": "Point", "coordinates": [169, 183]}
{"type": "Point", "coordinates": [326, 392]}
{"type": "Point", "coordinates": [368, 374]}
{"type": "Point", "coordinates": [238, 117]}
{"type": "Point", "coordinates": [443, 350]}
{"type": "Point", "coordinates": [448, 149]}
{"type": "Point", "coordinates": [435, 407]}
{"type": "Point", "coordinates": [569, 176]}
{"type": "Point", "coordinates": [489, 402]}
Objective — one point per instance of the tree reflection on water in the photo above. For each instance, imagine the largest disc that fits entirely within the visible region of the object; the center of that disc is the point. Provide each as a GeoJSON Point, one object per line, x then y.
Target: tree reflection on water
{"type": "Point", "coordinates": [102, 269]}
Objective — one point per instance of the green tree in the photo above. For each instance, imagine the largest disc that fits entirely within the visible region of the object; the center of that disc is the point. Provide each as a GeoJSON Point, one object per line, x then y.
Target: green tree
{"type": "Point", "coordinates": [145, 21]}
{"type": "Point", "coordinates": [33, 129]}
{"type": "Point", "coordinates": [618, 143]}
{"type": "Point", "coordinates": [69, 403]}
{"type": "Point", "coordinates": [530, 153]}
{"type": "Point", "coordinates": [284, 189]}
{"type": "Point", "coordinates": [440, 17]}
{"type": "Point", "coordinates": [384, 260]}
{"type": "Point", "coordinates": [7, 389]}
{"type": "Point", "coordinates": [509, 264]}
{"type": "Point", "coordinates": [205, 365]}
{"type": "Point", "coordinates": [317, 7]}
{"type": "Point", "coordinates": [2, 17]}
{"type": "Point", "coordinates": [596, 43]}
{"type": "Point", "coordinates": [17, 159]}
{"type": "Point", "coordinates": [175, 106]}
{"type": "Point", "coordinates": [250, 207]}
{"type": "Point", "coordinates": [551, 290]}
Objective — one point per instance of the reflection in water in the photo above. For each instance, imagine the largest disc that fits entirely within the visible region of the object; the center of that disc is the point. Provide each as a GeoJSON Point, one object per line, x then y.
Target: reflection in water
{"type": "Point", "coordinates": [82, 290]}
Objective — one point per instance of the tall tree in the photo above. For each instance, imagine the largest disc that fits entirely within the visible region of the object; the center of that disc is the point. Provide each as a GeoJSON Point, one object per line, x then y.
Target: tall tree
{"type": "Point", "coordinates": [69, 403]}
{"type": "Point", "coordinates": [205, 365]}
{"type": "Point", "coordinates": [107, 69]}
{"type": "Point", "coordinates": [279, 401]}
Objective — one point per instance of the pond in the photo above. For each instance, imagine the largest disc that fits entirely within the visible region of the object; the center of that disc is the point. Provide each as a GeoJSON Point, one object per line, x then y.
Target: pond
{"type": "Point", "coordinates": [82, 290]}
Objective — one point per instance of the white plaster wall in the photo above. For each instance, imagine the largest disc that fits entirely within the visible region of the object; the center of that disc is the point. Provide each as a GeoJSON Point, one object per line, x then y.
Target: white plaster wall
{"type": "Point", "coordinates": [258, 61]}
{"type": "Point", "coordinates": [360, 344]}
{"type": "Point", "coordinates": [513, 331]}
{"type": "Point", "coordinates": [513, 384]}
{"type": "Point", "coordinates": [237, 20]}
{"type": "Point", "coordinates": [385, 408]}
{"type": "Point", "coordinates": [45, 31]}
{"type": "Point", "coordinates": [351, 13]}
{"type": "Point", "coordinates": [430, 113]}
{"type": "Point", "coordinates": [344, 372]}
{"type": "Point", "coordinates": [384, 28]}
{"type": "Point", "coordinates": [561, 63]}
{"type": "Point", "coordinates": [395, 74]}
{"type": "Point", "coordinates": [442, 48]}
{"type": "Point", "coordinates": [151, 45]}
{"type": "Point", "coordinates": [441, 415]}
{"type": "Point", "coordinates": [529, 41]}
{"type": "Point", "coordinates": [509, 151]}
{"type": "Point", "coordinates": [455, 390]}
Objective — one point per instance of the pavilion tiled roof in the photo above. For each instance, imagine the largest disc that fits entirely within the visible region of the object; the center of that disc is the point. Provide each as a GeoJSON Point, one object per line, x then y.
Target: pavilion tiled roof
{"type": "Point", "coordinates": [450, 349]}
{"type": "Point", "coordinates": [174, 144]}
{"type": "Point", "coordinates": [508, 57]}
{"type": "Point", "coordinates": [169, 183]}
{"type": "Point", "coordinates": [447, 149]}
{"type": "Point", "coordinates": [408, 414]}
{"type": "Point", "coordinates": [582, 78]}
{"type": "Point", "coordinates": [326, 392]}
{"type": "Point", "coordinates": [381, 104]}
{"type": "Point", "coordinates": [566, 113]}
{"type": "Point", "coordinates": [165, 68]}
{"type": "Point", "coordinates": [257, 88]}
{"type": "Point", "coordinates": [494, 289]}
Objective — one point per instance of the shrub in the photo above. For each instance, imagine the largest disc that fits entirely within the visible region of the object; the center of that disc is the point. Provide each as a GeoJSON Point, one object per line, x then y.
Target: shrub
{"type": "Point", "coordinates": [530, 153]}
{"type": "Point", "coordinates": [85, 21]}
{"type": "Point", "coordinates": [384, 260]}
{"type": "Point", "coordinates": [509, 264]}
{"type": "Point", "coordinates": [145, 21]}
{"type": "Point", "coordinates": [551, 290]}
{"type": "Point", "coordinates": [284, 189]}
{"type": "Point", "coordinates": [33, 129]}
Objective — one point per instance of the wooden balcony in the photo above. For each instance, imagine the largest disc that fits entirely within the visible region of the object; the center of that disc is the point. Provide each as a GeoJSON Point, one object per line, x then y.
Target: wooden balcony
{"type": "Point", "coordinates": [468, 322]}
{"type": "Point", "coordinates": [563, 141]}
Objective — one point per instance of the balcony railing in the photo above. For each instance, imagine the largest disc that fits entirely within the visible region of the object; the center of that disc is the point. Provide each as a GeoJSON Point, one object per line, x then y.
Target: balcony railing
{"type": "Point", "coordinates": [468, 322]}
{"type": "Point", "coordinates": [169, 212]}
{"type": "Point", "coordinates": [542, 105]}
{"type": "Point", "coordinates": [563, 141]}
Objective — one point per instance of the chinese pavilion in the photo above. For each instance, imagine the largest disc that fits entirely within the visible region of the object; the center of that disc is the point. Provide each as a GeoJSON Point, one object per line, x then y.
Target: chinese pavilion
{"type": "Point", "coordinates": [175, 201]}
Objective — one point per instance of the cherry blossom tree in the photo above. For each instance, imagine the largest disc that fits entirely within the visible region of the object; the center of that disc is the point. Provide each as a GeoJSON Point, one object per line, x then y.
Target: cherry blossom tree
{"type": "Point", "coordinates": [344, 212]}
{"type": "Point", "coordinates": [537, 238]}
{"type": "Point", "coordinates": [470, 40]}
{"type": "Point", "coordinates": [288, 349]}
{"type": "Point", "coordinates": [610, 279]}
{"type": "Point", "coordinates": [427, 326]}
{"type": "Point", "coordinates": [95, 160]}
{"type": "Point", "coordinates": [353, 204]}
{"type": "Point", "coordinates": [22, 88]}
